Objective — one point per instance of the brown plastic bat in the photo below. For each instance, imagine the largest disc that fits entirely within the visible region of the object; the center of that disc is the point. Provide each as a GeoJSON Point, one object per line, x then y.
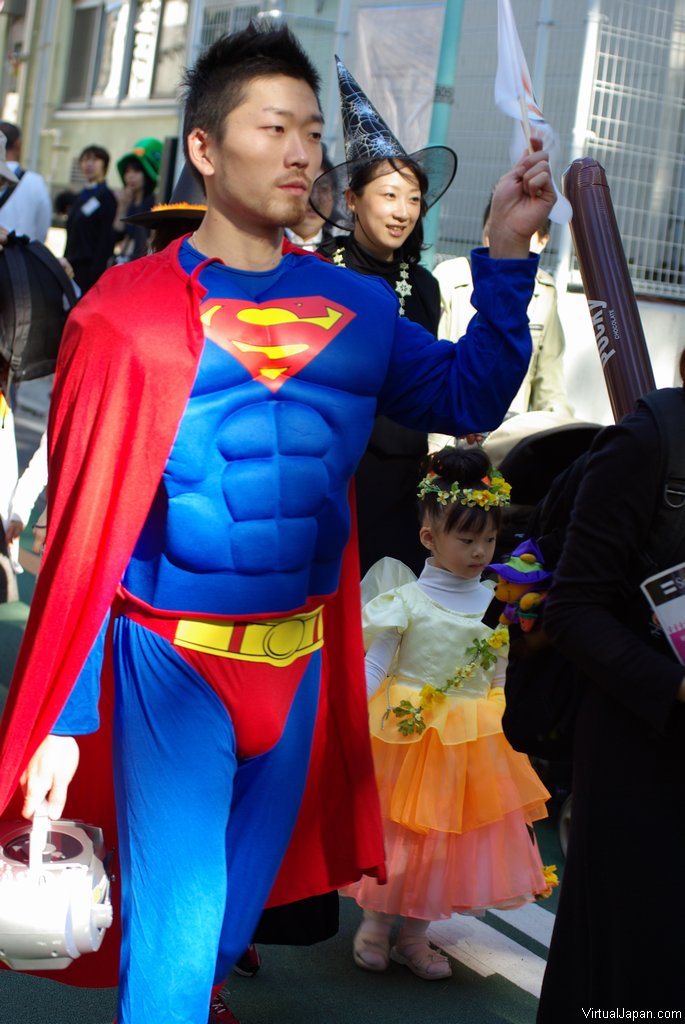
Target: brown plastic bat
{"type": "Point", "coordinates": [604, 269]}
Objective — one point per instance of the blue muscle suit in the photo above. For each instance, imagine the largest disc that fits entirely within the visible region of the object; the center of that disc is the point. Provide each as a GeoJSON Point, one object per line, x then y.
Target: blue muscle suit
{"type": "Point", "coordinates": [218, 626]}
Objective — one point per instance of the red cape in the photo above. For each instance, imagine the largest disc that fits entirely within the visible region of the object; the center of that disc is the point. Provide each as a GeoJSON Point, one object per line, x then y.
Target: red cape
{"type": "Point", "coordinates": [126, 368]}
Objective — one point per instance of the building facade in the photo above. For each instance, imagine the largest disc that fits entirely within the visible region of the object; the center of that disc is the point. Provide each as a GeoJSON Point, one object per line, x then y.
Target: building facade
{"type": "Point", "coordinates": [609, 74]}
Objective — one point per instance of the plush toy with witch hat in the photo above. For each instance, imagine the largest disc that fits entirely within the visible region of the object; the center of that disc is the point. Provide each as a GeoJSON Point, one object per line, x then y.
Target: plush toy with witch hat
{"type": "Point", "coordinates": [368, 140]}
{"type": "Point", "coordinates": [522, 583]}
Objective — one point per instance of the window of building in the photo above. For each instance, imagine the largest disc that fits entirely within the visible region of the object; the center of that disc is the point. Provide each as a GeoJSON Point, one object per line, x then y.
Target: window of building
{"type": "Point", "coordinates": [218, 19]}
{"type": "Point", "coordinates": [171, 48]}
{"type": "Point", "coordinates": [80, 72]}
{"type": "Point", "coordinates": [126, 51]}
{"type": "Point", "coordinates": [111, 51]}
{"type": "Point", "coordinates": [637, 125]}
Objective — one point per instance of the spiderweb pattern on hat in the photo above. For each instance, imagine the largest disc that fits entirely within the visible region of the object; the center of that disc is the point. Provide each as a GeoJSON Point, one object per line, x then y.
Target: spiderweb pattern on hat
{"type": "Point", "coordinates": [368, 140]}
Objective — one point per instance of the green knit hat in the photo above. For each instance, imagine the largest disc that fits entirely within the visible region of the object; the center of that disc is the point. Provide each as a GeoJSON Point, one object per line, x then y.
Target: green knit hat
{"type": "Point", "coordinates": [148, 153]}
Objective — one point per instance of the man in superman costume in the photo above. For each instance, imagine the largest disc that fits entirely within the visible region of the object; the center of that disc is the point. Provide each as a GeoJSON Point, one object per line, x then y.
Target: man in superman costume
{"type": "Point", "coordinates": [210, 407]}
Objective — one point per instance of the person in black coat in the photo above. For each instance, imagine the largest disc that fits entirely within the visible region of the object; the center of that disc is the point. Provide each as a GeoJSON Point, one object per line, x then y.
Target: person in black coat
{"type": "Point", "coordinates": [617, 938]}
{"type": "Point", "coordinates": [90, 232]}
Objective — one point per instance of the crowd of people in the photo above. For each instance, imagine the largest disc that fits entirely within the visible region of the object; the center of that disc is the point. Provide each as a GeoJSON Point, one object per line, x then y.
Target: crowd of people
{"type": "Point", "coordinates": [238, 440]}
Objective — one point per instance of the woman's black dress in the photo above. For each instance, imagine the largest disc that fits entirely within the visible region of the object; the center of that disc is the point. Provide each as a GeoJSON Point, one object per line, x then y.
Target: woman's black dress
{"type": "Point", "coordinates": [389, 472]}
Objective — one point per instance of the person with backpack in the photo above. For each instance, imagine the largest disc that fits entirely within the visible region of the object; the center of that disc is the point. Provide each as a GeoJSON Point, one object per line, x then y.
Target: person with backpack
{"type": "Point", "coordinates": [9, 473]}
{"type": "Point", "coordinates": [25, 205]}
{"type": "Point", "coordinates": [617, 937]}
{"type": "Point", "coordinates": [36, 294]}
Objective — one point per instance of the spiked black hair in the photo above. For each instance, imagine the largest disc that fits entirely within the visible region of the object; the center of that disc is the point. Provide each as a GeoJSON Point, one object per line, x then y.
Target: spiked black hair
{"type": "Point", "coordinates": [216, 84]}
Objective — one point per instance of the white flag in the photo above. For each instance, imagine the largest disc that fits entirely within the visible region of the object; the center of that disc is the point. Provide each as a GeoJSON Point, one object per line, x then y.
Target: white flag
{"type": "Point", "coordinates": [514, 97]}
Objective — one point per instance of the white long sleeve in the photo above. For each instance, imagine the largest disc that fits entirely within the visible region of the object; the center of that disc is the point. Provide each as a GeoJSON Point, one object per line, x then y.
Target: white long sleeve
{"type": "Point", "coordinates": [9, 469]}
{"type": "Point", "coordinates": [31, 484]}
{"type": "Point", "coordinates": [379, 658]}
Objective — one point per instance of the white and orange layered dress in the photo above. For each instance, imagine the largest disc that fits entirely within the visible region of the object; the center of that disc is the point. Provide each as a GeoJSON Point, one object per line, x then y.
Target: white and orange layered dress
{"type": "Point", "coordinates": [457, 801]}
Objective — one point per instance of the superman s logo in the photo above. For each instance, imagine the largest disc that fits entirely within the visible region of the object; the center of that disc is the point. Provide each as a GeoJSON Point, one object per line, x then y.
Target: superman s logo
{"type": "Point", "coordinates": [274, 340]}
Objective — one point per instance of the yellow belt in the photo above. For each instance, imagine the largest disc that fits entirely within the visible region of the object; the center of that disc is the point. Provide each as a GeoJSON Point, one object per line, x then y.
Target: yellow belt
{"type": "Point", "coordinates": [274, 641]}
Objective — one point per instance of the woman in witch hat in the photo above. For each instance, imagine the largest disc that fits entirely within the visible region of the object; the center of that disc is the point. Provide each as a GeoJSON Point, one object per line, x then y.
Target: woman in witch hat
{"type": "Point", "coordinates": [380, 196]}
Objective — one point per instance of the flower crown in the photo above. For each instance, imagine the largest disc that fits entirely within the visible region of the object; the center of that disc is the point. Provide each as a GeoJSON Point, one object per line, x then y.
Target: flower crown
{"type": "Point", "coordinates": [493, 494]}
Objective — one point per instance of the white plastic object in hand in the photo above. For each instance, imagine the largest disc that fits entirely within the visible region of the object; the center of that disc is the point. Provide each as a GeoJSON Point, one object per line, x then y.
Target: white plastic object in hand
{"type": "Point", "coordinates": [38, 837]}
{"type": "Point", "coordinates": [54, 892]}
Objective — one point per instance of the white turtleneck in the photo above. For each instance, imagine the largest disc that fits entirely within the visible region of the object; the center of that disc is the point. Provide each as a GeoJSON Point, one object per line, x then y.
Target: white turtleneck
{"type": "Point", "coordinates": [459, 595]}
{"type": "Point", "coordinates": [470, 597]}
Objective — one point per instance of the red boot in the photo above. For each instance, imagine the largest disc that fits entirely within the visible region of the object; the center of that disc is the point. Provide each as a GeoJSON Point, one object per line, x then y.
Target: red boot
{"type": "Point", "coordinates": [249, 963]}
{"type": "Point", "coordinates": [219, 1011]}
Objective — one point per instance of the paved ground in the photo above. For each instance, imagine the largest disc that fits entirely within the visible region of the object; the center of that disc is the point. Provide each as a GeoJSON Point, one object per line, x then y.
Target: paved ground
{"type": "Point", "coordinates": [498, 962]}
{"type": "Point", "coordinates": [321, 985]}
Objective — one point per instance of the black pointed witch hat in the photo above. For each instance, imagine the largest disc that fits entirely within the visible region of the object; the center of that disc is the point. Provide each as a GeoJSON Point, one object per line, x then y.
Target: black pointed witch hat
{"type": "Point", "coordinates": [368, 140]}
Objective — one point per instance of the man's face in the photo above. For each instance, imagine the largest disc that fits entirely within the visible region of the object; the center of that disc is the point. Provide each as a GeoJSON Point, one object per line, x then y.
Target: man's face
{"type": "Point", "coordinates": [260, 173]}
{"type": "Point", "coordinates": [92, 168]}
{"type": "Point", "coordinates": [312, 222]}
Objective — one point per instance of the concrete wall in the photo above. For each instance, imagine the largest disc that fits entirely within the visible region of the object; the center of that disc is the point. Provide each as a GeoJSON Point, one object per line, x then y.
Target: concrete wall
{"type": "Point", "coordinates": [664, 328]}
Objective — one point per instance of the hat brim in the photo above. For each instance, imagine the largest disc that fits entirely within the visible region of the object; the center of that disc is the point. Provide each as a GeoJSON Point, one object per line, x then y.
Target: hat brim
{"type": "Point", "coordinates": [168, 212]}
{"type": "Point", "coordinates": [438, 163]}
{"type": "Point", "coordinates": [516, 576]}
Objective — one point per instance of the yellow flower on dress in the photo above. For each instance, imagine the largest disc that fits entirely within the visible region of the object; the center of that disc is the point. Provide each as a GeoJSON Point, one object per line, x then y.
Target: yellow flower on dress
{"type": "Point", "coordinates": [429, 695]}
{"type": "Point", "coordinates": [500, 638]}
{"type": "Point", "coordinates": [481, 656]}
{"type": "Point", "coordinates": [461, 673]}
{"type": "Point", "coordinates": [550, 874]}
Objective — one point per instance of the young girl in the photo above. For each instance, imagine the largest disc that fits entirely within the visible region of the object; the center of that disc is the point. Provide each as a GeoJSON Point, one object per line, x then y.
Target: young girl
{"type": "Point", "coordinates": [457, 801]}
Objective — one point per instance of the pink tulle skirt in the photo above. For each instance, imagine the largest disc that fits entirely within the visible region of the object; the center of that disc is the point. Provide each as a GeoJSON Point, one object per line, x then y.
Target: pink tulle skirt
{"type": "Point", "coordinates": [436, 874]}
{"type": "Point", "coordinates": [457, 823]}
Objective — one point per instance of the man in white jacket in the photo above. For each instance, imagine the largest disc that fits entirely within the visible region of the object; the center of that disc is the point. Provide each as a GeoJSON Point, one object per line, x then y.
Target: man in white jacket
{"type": "Point", "coordinates": [543, 388]}
{"type": "Point", "coordinates": [25, 205]}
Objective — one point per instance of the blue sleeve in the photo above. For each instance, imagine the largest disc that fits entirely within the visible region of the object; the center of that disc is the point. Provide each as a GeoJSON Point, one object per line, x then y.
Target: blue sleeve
{"type": "Point", "coordinates": [467, 387]}
{"type": "Point", "coordinates": [80, 714]}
